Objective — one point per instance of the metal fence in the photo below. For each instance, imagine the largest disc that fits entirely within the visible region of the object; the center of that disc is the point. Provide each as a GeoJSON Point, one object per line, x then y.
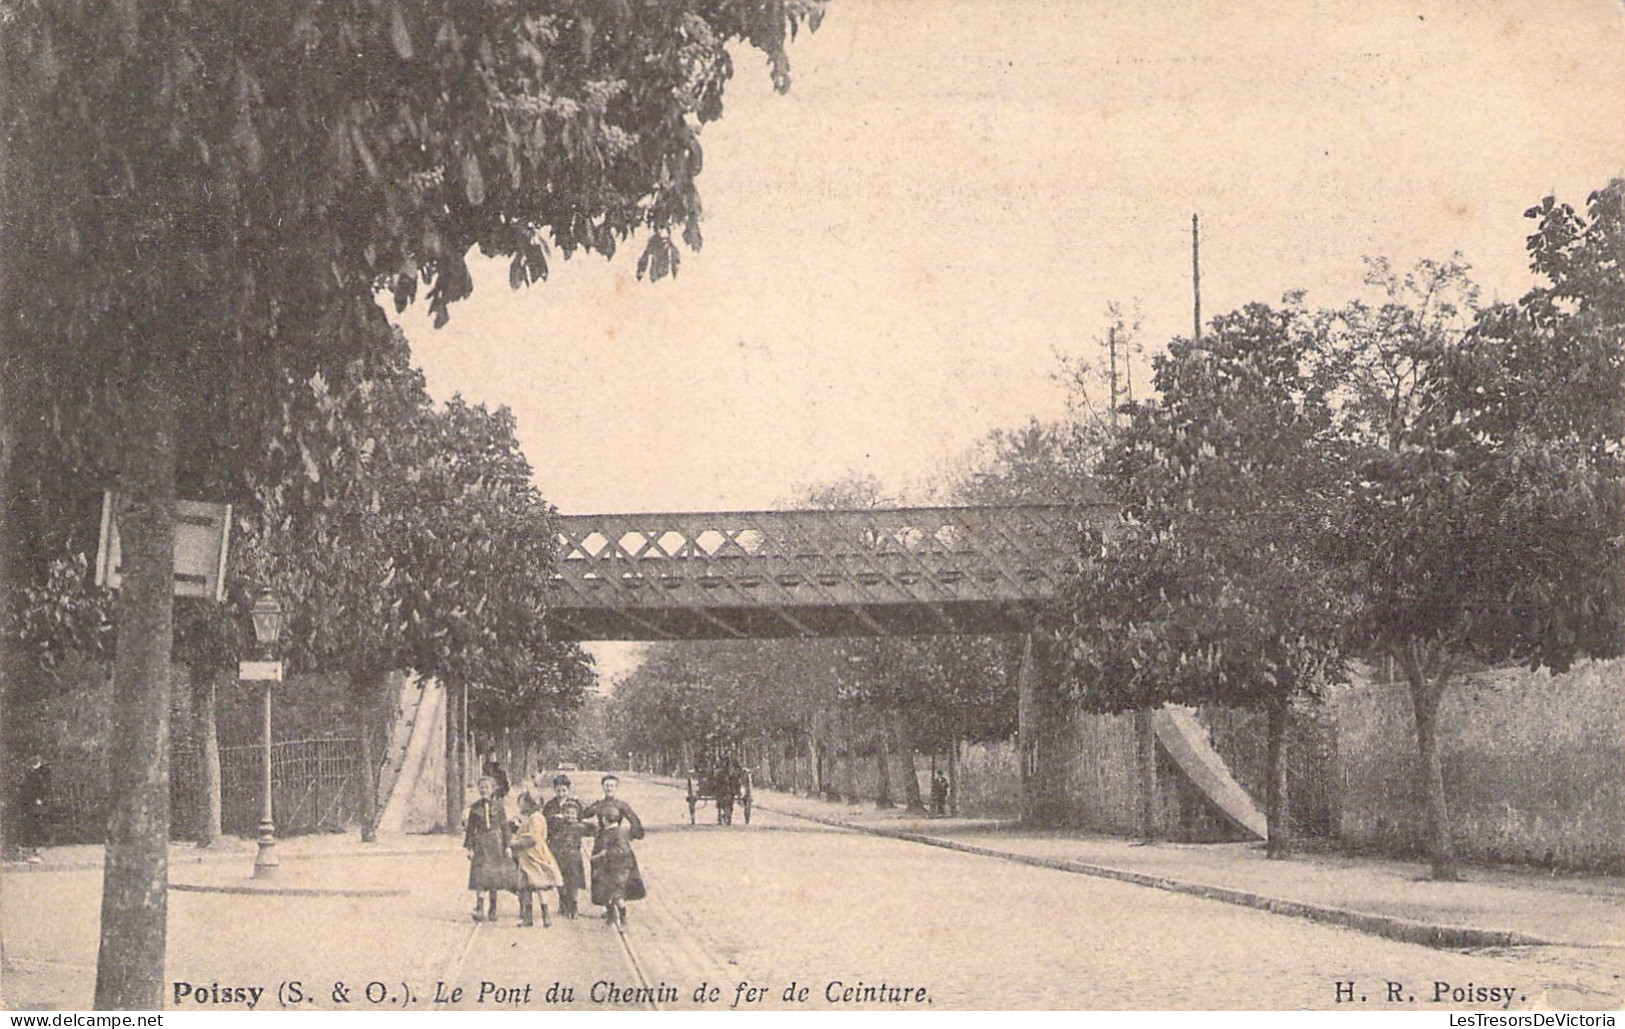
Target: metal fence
{"type": "Point", "coordinates": [314, 786]}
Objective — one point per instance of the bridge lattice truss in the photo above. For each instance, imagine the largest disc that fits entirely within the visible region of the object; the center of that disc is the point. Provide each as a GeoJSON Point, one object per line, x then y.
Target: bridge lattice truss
{"type": "Point", "coordinates": [772, 574]}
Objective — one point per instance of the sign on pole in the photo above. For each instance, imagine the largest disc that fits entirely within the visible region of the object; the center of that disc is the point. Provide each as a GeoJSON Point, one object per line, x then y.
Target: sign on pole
{"type": "Point", "coordinates": [202, 532]}
{"type": "Point", "coordinates": [259, 671]}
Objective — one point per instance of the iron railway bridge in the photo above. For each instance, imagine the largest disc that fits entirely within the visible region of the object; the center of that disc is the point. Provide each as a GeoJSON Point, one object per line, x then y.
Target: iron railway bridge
{"type": "Point", "coordinates": [904, 572]}
{"type": "Point", "coordinates": [777, 574]}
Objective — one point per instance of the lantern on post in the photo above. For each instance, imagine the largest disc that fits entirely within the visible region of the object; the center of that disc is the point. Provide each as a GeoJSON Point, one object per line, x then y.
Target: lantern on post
{"type": "Point", "coordinates": [267, 617]}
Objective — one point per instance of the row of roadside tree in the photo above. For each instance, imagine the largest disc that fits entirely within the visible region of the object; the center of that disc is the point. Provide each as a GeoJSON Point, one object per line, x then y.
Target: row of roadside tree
{"type": "Point", "coordinates": [1414, 479]}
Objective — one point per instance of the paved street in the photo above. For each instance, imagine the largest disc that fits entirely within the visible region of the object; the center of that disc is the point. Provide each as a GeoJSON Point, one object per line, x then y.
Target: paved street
{"type": "Point", "coordinates": [784, 900]}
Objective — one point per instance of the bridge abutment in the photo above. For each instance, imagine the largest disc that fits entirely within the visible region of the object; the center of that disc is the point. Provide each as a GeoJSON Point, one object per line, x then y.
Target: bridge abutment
{"type": "Point", "coordinates": [1045, 733]}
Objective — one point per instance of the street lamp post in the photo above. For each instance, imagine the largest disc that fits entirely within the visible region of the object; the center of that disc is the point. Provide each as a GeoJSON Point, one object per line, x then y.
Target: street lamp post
{"type": "Point", "coordinates": [267, 616]}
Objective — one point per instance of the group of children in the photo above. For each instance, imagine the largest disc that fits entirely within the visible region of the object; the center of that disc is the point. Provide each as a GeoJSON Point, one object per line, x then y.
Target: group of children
{"type": "Point", "coordinates": [540, 851]}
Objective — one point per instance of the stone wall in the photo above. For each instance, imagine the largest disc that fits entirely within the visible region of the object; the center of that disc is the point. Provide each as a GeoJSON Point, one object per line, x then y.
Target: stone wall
{"type": "Point", "coordinates": [1534, 766]}
{"type": "Point", "coordinates": [1085, 766]}
{"type": "Point", "coordinates": [1100, 780]}
{"type": "Point", "coordinates": [989, 779]}
{"type": "Point", "coordinates": [1534, 769]}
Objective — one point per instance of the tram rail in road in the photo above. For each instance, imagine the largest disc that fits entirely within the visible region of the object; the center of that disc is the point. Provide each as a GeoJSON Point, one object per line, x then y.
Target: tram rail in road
{"type": "Point", "coordinates": [454, 969]}
{"type": "Point", "coordinates": [646, 987]}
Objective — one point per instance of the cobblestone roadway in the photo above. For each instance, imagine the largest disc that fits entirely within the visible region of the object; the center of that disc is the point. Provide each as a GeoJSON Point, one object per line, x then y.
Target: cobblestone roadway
{"type": "Point", "coordinates": [777, 901]}
{"type": "Point", "coordinates": [786, 900]}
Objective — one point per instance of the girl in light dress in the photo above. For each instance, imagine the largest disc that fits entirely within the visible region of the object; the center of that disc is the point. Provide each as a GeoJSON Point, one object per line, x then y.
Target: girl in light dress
{"type": "Point", "coordinates": [538, 869]}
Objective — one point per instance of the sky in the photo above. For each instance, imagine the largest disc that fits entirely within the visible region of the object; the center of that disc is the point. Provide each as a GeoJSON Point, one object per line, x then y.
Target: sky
{"type": "Point", "coordinates": [953, 190]}
{"type": "Point", "coordinates": [897, 250]}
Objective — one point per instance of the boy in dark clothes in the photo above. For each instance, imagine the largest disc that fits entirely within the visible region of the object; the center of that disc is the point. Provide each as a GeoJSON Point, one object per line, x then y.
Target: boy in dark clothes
{"type": "Point", "coordinates": [565, 831]}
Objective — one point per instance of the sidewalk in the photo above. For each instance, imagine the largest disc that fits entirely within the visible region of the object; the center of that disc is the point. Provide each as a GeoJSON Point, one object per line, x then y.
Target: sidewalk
{"type": "Point", "coordinates": [1495, 907]}
{"type": "Point", "coordinates": [305, 865]}
{"type": "Point", "coordinates": [333, 913]}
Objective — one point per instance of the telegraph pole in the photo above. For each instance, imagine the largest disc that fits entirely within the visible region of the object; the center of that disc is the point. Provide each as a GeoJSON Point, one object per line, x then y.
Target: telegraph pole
{"type": "Point", "coordinates": [1196, 277]}
{"type": "Point", "coordinates": [1111, 349]}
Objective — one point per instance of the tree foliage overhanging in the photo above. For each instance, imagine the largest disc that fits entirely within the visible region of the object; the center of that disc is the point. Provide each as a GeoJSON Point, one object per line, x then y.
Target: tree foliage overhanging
{"type": "Point", "coordinates": [203, 197]}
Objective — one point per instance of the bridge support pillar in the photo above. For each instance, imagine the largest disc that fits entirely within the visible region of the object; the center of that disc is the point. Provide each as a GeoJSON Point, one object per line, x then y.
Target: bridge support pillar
{"type": "Point", "coordinates": [1042, 735]}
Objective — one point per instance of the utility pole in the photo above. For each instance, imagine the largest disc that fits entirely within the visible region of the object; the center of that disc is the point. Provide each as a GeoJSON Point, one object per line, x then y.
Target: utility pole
{"type": "Point", "coordinates": [1111, 349]}
{"type": "Point", "coordinates": [1196, 277]}
{"type": "Point", "coordinates": [1128, 374]}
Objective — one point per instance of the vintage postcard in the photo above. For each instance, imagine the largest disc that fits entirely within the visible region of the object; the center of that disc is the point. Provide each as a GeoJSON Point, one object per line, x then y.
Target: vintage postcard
{"type": "Point", "coordinates": [783, 505]}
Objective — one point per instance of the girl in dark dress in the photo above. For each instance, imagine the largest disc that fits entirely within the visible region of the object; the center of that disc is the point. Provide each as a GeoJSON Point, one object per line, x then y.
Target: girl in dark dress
{"type": "Point", "coordinates": [486, 837]}
{"type": "Point", "coordinates": [615, 875]}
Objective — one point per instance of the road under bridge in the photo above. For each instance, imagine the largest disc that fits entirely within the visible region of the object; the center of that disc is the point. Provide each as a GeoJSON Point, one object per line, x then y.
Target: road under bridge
{"type": "Point", "coordinates": [752, 575]}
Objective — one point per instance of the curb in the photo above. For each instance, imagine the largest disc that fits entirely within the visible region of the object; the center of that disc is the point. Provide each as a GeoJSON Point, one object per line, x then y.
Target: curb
{"type": "Point", "coordinates": [290, 891]}
{"type": "Point", "coordinates": [1405, 930]}
{"type": "Point", "coordinates": [218, 859]}
{"type": "Point", "coordinates": [1446, 937]}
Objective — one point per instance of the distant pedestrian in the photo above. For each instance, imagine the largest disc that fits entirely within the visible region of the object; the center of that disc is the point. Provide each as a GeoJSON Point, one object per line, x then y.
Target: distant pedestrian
{"type": "Point", "coordinates": [615, 875]}
{"type": "Point", "coordinates": [486, 838]}
{"type": "Point", "coordinates": [565, 831]}
{"type": "Point", "coordinates": [33, 794]}
{"type": "Point", "coordinates": [539, 872]}
{"type": "Point", "coordinates": [939, 793]}
{"type": "Point", "coordinates": [498, 776]}
{"type": "Point", "coordinates": [726, 790]}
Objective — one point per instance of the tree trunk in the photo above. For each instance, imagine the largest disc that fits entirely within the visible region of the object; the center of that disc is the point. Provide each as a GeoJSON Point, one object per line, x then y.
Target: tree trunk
{"type": "Point", "coordinates": [809, 743]}
{"type": "Point", "coordinates": [848, 766]}
{"type": "Point", "coordinates": [1280, 840]}
{"type": "Point", "coordinates": [1425, 697]}
{"type": "Point", "coordinates": [911, 775]}
{"type": "Point", "coordinates": [454, 770]}
{"type": "Point", "coordinates": [465, 739]}
{"type": "Point", "coordinates": [953, 778]}
{"type": "Point", "coordinates": [367, 778]}
{"type": "Point", "coordinates": [883, 768]}
{"type": "Point", "coordinates": [135, 879]}
{"type": "Point", "coordinates": [1145, 737]}
{"type": "Point", "coordinates": [369, 690]}
{"type": "Point", "coordinates": [208, 756]}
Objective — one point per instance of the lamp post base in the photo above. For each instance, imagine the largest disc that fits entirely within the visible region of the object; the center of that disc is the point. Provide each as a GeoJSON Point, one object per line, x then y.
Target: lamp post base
{"type": "Point", "coordinates": [265, 862]}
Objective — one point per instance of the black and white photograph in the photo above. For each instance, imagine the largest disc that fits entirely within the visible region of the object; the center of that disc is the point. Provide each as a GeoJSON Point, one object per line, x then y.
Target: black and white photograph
{"type": "Point", "coordinates": [813, 505]}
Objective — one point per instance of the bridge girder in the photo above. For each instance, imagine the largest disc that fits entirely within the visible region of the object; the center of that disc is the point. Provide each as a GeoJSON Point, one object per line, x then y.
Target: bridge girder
{"type": "Point", "coordinates": [809, 573]}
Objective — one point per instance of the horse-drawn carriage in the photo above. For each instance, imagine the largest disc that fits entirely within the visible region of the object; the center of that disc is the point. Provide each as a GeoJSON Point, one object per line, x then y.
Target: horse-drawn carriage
{"type": "Point", "coordinates": [725, 784]}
